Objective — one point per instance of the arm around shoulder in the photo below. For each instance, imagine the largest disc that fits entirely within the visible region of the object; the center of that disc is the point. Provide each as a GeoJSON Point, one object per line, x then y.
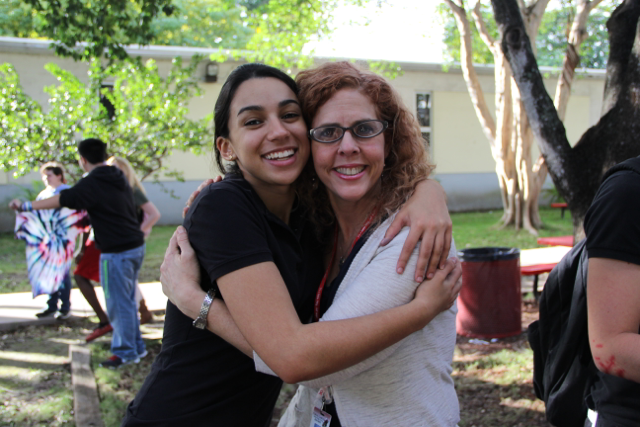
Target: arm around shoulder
{"type": "Point", "coordinates": [372, 289]}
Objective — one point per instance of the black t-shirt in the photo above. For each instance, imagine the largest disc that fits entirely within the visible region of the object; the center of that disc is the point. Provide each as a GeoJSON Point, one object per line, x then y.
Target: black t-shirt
{"type": "Point", "coordinates": [105, 194]}
{"type": "Point", "coordinates": [198, 379]}
{"type": "Point", "coordinates": [612, 226]}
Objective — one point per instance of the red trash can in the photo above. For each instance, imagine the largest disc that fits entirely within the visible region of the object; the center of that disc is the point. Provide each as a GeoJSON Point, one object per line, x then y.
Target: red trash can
{"type": "Point", "coordinates": [490, 301]}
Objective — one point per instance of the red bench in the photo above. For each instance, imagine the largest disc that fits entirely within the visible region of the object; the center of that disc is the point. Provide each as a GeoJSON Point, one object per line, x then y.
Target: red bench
{"type": "Point", "coordinates": [535, 271]}
{"type": "Point", "coordinates": [556, 241]}
{"type": "Point", "coordinates": [560, 205]}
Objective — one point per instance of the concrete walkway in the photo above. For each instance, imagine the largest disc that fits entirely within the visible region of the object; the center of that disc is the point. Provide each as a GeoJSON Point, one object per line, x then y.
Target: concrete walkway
{"type": "Point", "coordinates": [19, 309]}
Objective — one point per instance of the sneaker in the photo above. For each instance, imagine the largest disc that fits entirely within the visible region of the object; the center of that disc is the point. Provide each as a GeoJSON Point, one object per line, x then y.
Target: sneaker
{"type": "Point", "coordinates": [114, 362]}
{"type": "Point", "coordinates": [63, 315]}
{"type": "Point", "coordinates": [143, 354]}
{"type": "Point", "coordinates": [102, 329]}
{"type": "Point", "coordinates": [46, 313]}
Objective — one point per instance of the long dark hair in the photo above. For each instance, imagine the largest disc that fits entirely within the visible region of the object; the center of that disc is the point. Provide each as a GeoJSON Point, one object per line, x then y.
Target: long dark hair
{"type": "Point", "coordinates": [223, 104]}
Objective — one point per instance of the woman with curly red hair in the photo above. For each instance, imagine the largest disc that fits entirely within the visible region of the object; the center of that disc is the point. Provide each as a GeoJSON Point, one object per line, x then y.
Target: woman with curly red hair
{"type": "Point", "coordinates": [368, 155]}
{"type": "Point", "coordinates": [370, 306]}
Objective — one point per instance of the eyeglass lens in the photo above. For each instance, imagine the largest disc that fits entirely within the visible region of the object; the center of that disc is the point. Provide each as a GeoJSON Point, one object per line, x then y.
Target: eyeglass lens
{"type": "Point", "coordinates": [367, 129]}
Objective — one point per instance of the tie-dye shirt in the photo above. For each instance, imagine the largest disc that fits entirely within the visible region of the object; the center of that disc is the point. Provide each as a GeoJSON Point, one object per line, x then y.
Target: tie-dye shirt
{"type": "Point", "coordinates": [50, 235]}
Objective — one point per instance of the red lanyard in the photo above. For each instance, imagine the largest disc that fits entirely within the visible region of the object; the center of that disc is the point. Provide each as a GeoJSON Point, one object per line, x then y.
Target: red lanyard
{"type": "Point", "coordinates": [367, 223]}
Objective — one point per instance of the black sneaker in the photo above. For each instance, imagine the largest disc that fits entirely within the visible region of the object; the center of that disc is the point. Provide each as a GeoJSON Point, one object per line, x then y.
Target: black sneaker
{"type": "Point", "coordinates": [114, 362]}
{"type": "Point", "coordinates": [46, 313]}
{"type": "Point", "coordinates": [63, 315]}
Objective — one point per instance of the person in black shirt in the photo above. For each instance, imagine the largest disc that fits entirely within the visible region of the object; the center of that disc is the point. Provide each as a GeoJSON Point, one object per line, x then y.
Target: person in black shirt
{"type": "Point", "coordinates": [612, 227]}
{"type": "Point", "coordinates": [254, 244]}
{"type": "Point", "coordinates": [106, 195]}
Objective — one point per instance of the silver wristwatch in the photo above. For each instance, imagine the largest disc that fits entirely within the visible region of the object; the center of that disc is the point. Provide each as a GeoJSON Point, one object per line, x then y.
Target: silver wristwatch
{"type": "Point", "coordinates": [201, 320]}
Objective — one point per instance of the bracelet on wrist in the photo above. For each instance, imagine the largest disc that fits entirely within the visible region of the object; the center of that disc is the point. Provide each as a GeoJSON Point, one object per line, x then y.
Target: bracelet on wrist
{"type": "Point", "coordinates": [201, 321]}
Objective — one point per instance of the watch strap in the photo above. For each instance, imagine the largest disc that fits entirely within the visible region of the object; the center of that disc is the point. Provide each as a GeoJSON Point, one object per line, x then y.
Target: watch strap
{"type": "Point", "coordinates": [201, 320]}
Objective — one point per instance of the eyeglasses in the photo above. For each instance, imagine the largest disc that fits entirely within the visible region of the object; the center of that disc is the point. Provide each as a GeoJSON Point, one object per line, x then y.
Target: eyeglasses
{"type": "Point", "coordinates": [334, 133]}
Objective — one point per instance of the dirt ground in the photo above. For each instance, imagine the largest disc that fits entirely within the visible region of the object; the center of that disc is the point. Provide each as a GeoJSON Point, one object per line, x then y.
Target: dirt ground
{"type": "Point", "coordinates": [493, 379]}
{"type": "Point", "coordinates": [490, 394]}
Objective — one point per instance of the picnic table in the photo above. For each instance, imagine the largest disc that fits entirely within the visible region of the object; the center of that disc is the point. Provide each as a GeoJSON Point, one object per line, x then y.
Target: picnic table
{"type": "Point", "coordinates": [560, 205]}
{"type": "Point", "coordinates": [556, 241]}
{"type": "Point", "coordinates": [534, 262]}
{"type": "Point", "coordinates": [535, 271]}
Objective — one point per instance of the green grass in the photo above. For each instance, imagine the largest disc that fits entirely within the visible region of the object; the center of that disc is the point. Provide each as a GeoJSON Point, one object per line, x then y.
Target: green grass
{"type": "Point", "coordinates": [470, 230]}
{"type": "Point", "coordinates": [157, 244]}
{"type": "Point", "coordinates": [13, 267]}
{"type": "Point", "coordinates": [481, 229]}
{"type": "Point", "coordinates": [119, 387]}
{"type": "Point", "coordinates": [495, 389]}
{"type": "Point", "coordinates": [35, 378]}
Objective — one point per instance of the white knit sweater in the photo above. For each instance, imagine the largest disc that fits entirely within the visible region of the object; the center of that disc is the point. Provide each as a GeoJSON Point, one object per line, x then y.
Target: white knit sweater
{"type": "Point", "coordinates": [409, 383]}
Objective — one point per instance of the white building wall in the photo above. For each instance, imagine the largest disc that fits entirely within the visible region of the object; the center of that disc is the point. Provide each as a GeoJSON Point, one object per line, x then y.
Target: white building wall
{"type": "Point", "coordinates": [459, 148]}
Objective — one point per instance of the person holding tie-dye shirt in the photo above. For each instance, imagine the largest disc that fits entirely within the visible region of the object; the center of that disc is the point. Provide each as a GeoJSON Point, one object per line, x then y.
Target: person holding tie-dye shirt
{"type": "Point", "coordinates": [50, 235]}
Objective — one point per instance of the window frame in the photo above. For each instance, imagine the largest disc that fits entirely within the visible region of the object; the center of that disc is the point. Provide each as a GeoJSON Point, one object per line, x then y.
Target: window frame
{"type": "Point", "coordinates": [425, 129]}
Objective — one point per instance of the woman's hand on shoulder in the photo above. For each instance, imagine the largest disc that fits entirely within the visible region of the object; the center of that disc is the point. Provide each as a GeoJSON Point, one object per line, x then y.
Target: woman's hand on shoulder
{"type": "Point", "coordinates": [439, 293]}
{"type": "Point", "coordinates": [193, 195]}
{"type": "Point", "coordinates": [180, 274]}
{"type": "Point", "coordinates": [427, 216]}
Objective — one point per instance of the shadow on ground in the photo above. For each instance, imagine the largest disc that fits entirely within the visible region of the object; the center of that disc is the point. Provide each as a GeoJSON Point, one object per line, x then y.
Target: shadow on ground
{"type": "Point", "coordinates": [486, 404]}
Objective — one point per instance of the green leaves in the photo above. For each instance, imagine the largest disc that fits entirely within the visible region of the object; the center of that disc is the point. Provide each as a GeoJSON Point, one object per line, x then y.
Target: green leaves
{"type": "Point", "coordinates": [551, 40]}
{"type": "Point", "coordinates": [203, 23]}
{"type": "Point", "coordinates": [151, 113]}
{"type": "Point", "coordinates": [269, 31]}
{"type": "Point", "coordinates": [104, 26]}
{"type": "Point", "coordinates": [150, 119]}
{"type": "Point", "coordinates": [594, 51]}
{"type": "Point", "coordinates": [21, 121]}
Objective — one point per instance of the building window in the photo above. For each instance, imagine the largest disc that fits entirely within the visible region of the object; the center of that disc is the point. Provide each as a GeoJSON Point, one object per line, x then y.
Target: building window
{"type": "Point", "coordinates": [423, 113]}
{"type": "Point", "coordinates": [104, 101]}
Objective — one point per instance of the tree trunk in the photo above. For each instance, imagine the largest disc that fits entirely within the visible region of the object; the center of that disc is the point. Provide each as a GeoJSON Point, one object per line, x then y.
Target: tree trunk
{"type": "Point", "coordinates": [577, 171]}
{"type": "Point", "coordinates": [510, 138]}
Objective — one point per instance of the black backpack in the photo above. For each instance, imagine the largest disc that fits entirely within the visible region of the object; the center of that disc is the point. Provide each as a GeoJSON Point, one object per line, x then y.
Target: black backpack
{"type": "Point", "coordinates": [562, 362]}
{"type": "Point", "coordinates": [563, 369]}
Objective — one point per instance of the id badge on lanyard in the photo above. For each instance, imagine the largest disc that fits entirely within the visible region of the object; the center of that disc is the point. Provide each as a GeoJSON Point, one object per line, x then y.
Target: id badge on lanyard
{"type": "Point", "coordinates": [320, 418]}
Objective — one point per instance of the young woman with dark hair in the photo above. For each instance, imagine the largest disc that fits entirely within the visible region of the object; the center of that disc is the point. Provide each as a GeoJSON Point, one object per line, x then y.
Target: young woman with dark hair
{"type": "Point", "coordinates": [256, 248]}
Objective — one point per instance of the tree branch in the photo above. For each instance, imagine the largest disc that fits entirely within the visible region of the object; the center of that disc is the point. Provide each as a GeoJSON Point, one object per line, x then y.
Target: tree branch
{"type": "Point", "coordinates": [471, 78]}
{"type": "Point", "coordinates": [545, 123]}
{"type": "Point", "coordinates": [622, 29]}
{"type": "Point", "coordinates": [533, 15]}
{"type": "Point", "coordinates": [577, 35]}
{"type": "Point", "coordinates": [482, 27]}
